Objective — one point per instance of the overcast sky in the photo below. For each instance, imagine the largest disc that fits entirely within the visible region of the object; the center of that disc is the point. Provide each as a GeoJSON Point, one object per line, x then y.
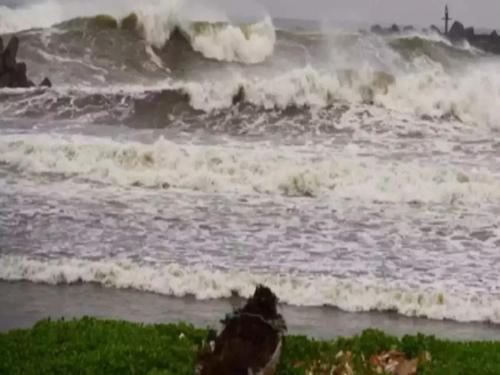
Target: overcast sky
{"type": "Point", "coordinates": [423, 12]}
{"type": "Point", "coordinates": [479, 13]}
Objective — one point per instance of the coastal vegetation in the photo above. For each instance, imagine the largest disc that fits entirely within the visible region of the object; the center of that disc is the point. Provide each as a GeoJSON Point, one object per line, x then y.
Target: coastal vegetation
{"type": "Point", "coordinates": [91, 346]}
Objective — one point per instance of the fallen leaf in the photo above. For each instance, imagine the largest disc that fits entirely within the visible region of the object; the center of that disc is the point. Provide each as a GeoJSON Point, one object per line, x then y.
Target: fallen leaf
{"type": "Point", "coordinates": [407, 367]}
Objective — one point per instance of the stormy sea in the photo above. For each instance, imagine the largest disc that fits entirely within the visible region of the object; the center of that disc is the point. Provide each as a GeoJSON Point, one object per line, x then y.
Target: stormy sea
{"type": "Point", "coordinates": [188, 156]}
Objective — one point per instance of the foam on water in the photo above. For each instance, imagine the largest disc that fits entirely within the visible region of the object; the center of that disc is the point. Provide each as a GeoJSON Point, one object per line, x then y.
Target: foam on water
{"type": "Point", "coordinates": [422, 86]}
{"type": "Point", "coordinates": [279, 170]}
{"type": "Point", "coordinates": [437, 302]}
{"type": "Point", "coordinates": [251, 43]}
{"type": "Point", "coordinates": [469, 96]}
{"type": "Point", "coordinates": [247, 44]}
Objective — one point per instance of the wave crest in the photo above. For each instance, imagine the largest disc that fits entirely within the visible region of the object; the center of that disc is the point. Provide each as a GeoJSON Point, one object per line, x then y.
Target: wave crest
{"type": "Point", "coordinates": [250, 43]}
{"type": "Point", "coordinates": [205, 282]}
{"type": "Point", "coordinates": [283, 171]}
{"type": "Point", "coordinates": [244, 43]}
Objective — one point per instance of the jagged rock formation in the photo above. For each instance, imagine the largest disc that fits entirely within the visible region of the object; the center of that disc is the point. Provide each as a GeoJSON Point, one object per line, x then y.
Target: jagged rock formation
{"type": "Point", "coordinates": [13, 74]}
{"type": "Point", "coordinates": [486, 42]}
{"type": "Point", "coordinates": [457, 34]}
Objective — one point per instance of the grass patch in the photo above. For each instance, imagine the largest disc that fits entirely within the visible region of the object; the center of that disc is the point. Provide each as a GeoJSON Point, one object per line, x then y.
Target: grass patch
{"type": "Point", "coordinates": [90, 346]}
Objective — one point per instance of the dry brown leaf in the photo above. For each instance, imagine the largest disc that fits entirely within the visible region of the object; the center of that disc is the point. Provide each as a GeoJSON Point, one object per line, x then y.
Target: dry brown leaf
{"type": "Point", "coordinates": [407, 367]}
{"type": "Point", "coordinates": [395, 362]}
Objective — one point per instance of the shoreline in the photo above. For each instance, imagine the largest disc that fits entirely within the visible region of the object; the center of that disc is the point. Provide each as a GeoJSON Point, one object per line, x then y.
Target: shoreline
{"type": "Point", "coordinates": [24, 304]}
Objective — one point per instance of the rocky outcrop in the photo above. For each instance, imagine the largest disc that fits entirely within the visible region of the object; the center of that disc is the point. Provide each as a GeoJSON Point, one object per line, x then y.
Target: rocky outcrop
{"type": "Point", "coordinates": [457, 34]}
{"type": "Point", "coordinates": [250, 342]}
{"type": "Point", "coordinates": [377, 29]}
{"type": "Point", "coordinates": [13, 74]}
{"type": "Point", "coordinates": [435, 29]}
{"type": "Point", "coordinates": [395, 29]}
{"type": "Point", "coordinates": [486, 42]}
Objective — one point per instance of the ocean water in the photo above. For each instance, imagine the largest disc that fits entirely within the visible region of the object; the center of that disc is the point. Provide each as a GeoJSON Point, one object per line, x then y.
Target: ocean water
{"type": "Point", "coordinates": [199, 156]}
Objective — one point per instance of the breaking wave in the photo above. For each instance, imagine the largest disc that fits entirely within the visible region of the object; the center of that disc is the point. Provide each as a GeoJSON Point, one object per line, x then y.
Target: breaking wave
{"type": "Point", "coordinates": [204, 282]}
{"type": "Point", "coordinates": [155, 21]}
{"type": "Point", "coordinates": [249, 43]}
{"type": "Point", "coordinates": [283, 171]}
{"type": "Point", "coordinates": [469, 95]}
{"type": "Point", "coordinates": [169, 56]}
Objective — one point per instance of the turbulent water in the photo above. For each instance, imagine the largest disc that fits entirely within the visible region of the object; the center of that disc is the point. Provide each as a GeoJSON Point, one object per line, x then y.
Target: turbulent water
{"type": "Point", "coordinates": [199, 156]}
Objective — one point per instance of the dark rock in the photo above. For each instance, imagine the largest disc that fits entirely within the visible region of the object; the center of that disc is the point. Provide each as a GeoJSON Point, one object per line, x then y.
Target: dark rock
{"type": "Point", "coordinates": [457, 31]}
{"type": "Point", "coordinates": [408, 29]}
{"type": "Point", "coordinates": [435, 29]}
{"type": "Point", "coordinates": [469, 33]}
{"type": "Point", "coordinates": [250, 342]}
{"type": "Point", "coordinates": [10, 54]}
{"type": "Point", "coordinates": [395, 29]}
{"type": "Point", "coordinates": [46, 83]}
{"type": "Point", "coordinates": [486, 42]}
{"type": "Point", "coordinates": [377, 29]}
{"type": "Point", "coordinates": [19, 77]}
{"type": "Point", "coordinates": [21, 68]}
{"type": "Point", "coordinates": [239, 97]}
{"type": "Point", "coordinates": [5, 80]}
{"type": "Point", "coordinates": [1, 57]}
{"type": "Point", "coordinates": [12, 73]}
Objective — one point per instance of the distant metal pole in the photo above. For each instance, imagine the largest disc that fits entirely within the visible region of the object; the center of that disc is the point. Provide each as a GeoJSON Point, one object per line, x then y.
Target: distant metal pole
{"type": "Point", "coordinates": [446, 19]}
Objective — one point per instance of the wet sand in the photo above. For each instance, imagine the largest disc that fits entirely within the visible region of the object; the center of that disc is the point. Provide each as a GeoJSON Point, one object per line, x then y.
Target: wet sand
{"type": "Point", "coordinates": [22, 304]}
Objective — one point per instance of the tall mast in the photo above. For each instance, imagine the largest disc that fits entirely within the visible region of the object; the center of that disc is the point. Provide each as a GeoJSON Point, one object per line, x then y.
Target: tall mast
{"type": "Point", "coordinates": [446, 19]}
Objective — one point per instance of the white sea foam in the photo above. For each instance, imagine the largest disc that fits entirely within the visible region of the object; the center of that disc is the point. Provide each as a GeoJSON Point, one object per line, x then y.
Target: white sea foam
{"type": "Point", "coordinates": [204, 282]}
{"type": "Point", "coordinates": [221, 41]}
{"type": "Point", "coordinates": [247, 44]}
{"type": "Point", "coordinates": [282, 170]}
{"type": "Point", "coordinates": [469, 96]}
{"type": "Point", "coordinates": [251, 43]}
{"type": "Point", "coordinates": [421, 86]}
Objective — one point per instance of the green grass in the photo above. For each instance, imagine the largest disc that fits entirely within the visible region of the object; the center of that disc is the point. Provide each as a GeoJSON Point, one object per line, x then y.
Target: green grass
{"type": "Point", "coordinates": [90, 346]}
